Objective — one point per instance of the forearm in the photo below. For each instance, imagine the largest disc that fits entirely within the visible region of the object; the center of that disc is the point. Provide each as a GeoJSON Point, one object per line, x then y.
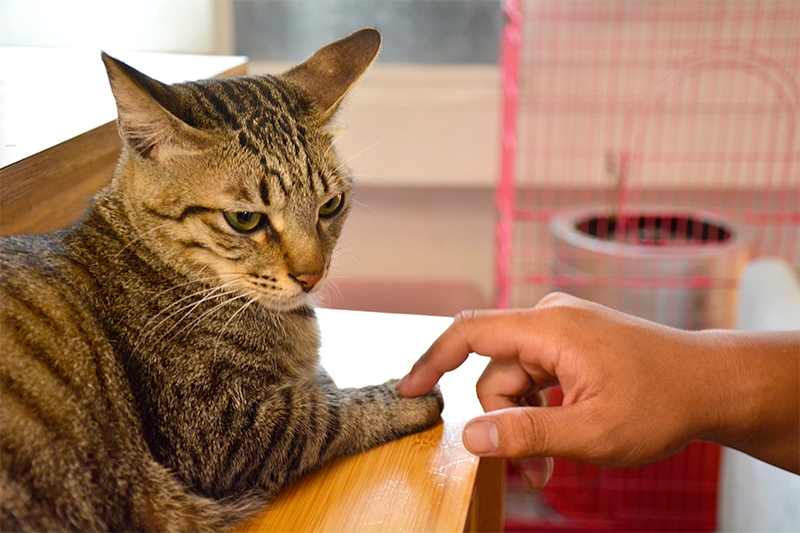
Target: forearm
{"type": "Point", "coordinates": [756, 389]}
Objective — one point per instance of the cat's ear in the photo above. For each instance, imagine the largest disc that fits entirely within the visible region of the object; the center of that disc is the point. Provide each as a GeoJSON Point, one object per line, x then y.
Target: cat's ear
{"type": "Point", "coordinates": [146, 124]}
{"type": "Point", "coordinates": [333, 69]}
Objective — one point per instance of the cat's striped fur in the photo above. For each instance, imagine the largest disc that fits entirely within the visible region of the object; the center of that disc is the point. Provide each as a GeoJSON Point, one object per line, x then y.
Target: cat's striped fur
{"type": "Point", "coordinates": [158, 364]}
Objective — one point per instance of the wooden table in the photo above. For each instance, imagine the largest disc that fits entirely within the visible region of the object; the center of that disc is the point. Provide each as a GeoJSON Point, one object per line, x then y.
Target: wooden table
{"type": "Point", "coordinates": [58, 146]}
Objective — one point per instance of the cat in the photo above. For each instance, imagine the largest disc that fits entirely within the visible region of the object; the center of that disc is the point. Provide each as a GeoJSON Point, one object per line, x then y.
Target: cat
{"type": "Point", "coordinates": [159, 359]}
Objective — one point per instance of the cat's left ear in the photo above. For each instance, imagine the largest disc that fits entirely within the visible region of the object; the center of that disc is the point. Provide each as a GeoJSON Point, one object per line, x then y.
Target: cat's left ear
{"type": "Point", "coordinates": [333, 69]}
{"type": "Point", "coordinates": [148, 113]}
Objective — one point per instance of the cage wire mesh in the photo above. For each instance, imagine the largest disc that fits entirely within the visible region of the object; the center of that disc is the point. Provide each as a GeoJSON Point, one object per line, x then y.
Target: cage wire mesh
{"type": "Point", "coordinates": [616, 105]}
{"type": "Point", "coordinates": [649, 149]}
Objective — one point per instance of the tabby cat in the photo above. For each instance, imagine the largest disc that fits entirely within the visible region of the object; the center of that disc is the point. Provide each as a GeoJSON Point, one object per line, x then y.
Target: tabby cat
{"type": "Point", "coordinates": [159, 359]}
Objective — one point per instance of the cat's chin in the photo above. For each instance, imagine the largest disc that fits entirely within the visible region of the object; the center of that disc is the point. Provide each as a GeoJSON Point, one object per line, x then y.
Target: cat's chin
{"type": "Point", "coordinates": [285, 305]}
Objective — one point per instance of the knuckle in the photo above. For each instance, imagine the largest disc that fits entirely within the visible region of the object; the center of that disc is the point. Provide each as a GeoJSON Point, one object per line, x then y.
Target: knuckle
{"type": "Point", "coordinates": [484, 390]}
{"type": "Point", "coordinates": [462, 323]}
{"type": "Point", "coordinates": [486, 383]}
{"type": "Point", "coordinates": [481, 386]}
{"type": "Point", "coordinates": [556, 299]}
{"type": "Point", "coordinates": [463, 319]}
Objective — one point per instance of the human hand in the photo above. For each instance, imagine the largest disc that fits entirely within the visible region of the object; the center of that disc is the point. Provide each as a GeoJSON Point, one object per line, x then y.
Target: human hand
{"type": "Point", "coordinates": [633, 389]}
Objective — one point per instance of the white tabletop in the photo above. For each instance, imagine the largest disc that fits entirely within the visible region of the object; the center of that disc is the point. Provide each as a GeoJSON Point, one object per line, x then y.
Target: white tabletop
{"type": "Point", "coordinates": [362, 348]}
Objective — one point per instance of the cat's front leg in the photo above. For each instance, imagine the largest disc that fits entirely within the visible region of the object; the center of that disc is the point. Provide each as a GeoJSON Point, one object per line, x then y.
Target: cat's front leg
{"type": "Point", "coordinates": [265, 437]}
{"type": "Point", "coordinates": [328, 422]}
{"type": "Point", "coordinates": [376, 414]}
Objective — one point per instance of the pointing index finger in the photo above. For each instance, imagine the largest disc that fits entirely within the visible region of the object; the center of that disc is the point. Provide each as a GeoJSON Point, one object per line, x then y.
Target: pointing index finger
{"type": "Point", "coordinates": [471, 331]}
{"type": "Point", "coordinates": [446, 353]}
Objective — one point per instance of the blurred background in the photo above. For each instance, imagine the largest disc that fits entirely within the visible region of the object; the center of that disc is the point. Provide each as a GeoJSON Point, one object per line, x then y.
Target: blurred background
{"type": "Point", "coordinates": [640, 153]}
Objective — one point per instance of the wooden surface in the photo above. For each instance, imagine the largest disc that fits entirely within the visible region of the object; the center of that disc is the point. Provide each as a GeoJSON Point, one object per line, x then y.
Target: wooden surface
{"type": "Point", "coordinates": [51, 189]}
{"type": "Point", "coordinates": [423, 482]}
{"type": "Point", "coordinates": [58, 136]}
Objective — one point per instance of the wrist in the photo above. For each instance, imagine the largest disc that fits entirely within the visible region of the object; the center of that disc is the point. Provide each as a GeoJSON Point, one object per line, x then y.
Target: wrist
{"type": "Point", "coordinates": [752, 391]}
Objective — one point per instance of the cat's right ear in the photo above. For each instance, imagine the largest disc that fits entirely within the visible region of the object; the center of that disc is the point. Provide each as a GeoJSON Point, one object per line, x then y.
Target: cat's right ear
{"type": "Point", "coordinates": [145, 125]}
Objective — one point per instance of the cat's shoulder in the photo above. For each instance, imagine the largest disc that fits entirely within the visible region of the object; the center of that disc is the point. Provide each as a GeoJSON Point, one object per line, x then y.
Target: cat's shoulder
{"type": "Point", "coordinates": [26, 251]}
{"type": "Point", "coordinates": [42, 260]}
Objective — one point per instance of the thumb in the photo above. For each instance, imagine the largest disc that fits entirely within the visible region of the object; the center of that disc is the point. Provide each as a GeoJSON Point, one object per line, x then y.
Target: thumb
{"type": "Point", "coordinates": [526, 432]}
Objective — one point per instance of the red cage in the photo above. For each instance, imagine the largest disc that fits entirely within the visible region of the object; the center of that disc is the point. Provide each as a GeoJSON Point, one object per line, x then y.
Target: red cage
{"type": "Point", "coordinates": [649, 149]}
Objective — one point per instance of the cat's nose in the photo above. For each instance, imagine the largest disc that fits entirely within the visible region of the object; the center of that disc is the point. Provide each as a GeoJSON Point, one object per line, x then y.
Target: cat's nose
{"type": "Point", "coordinates": [307, 281]}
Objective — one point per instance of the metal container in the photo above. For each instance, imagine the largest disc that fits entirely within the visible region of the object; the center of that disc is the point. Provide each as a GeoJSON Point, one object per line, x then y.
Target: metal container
{"type": "Point", "coordinates": [677, 268]}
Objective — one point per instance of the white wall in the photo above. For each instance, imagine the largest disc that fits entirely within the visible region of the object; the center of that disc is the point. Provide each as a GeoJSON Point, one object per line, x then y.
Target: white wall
{"type": "Point", "coordinates": [181, 26]}
{"type": "Point", "coordinates": [424, 125]}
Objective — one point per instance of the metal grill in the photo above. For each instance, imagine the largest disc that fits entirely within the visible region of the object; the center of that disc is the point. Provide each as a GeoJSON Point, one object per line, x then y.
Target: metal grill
{"type": "Point", "coordinates": [689, 107]}
{"type": "Point", "coordinates": [649, 149]}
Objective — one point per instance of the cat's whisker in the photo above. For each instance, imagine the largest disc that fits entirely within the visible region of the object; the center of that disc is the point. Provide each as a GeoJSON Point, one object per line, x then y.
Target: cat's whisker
{"type": "Point", "coordinates": [241, 309]}
{"type": "Point", "coordinates": [341, 251]}
{"type": "Point", "coordinates": [196, 322]}
{"type": "Point", "coordinates": [214, 295]}
{"type": "Point", "coordinates": [356, 201]}
{"type": "Point", "coordinates": [205, 290]}
{"type": "Point", "coordinates": [334, 288]}
{"type": "Point", "coordinates": [138, 238]}
{"type": "Point", "coordinates": [188, 309]}
{"type": "Point", "coordinates": [194, 281]}
{"type": "Point", "coordinates": [344, 164]}
{"type": "Point", "coordinates": [341, 133]}
{"type": "Point", "coordinates": [176, 307]}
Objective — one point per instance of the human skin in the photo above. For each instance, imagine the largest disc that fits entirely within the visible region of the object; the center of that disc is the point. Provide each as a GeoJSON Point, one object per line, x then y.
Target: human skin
{"type": "Point", "coordinates": [634, 391]}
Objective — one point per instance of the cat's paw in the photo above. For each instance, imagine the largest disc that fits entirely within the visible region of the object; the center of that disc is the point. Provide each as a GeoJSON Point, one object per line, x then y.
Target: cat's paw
{"type": "Point", "coordinates": [416, 414]}
{"type": "Point", "coordinates": [379, 414]}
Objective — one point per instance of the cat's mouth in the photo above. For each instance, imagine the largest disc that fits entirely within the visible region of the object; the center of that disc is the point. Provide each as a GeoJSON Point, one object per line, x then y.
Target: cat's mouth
{"type": "Point", "coordinates": [286, 295]}
{"type": "Point", "coordinates": [279, 293]}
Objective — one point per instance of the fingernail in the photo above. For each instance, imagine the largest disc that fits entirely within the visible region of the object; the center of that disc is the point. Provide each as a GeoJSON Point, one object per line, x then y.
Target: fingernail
{"type": "Point", "coordinates": [481, 437]}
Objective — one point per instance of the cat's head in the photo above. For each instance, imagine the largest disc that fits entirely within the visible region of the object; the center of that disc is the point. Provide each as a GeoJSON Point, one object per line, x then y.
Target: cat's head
{"type": "Point", "coordinates": [234, 180]}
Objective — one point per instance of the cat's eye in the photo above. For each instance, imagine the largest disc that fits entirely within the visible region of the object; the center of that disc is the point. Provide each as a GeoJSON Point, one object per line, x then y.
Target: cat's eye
{"type": "Point", "coordinates": [244, 221]}
{"type": "Point", "coordinates": [332, 206]}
